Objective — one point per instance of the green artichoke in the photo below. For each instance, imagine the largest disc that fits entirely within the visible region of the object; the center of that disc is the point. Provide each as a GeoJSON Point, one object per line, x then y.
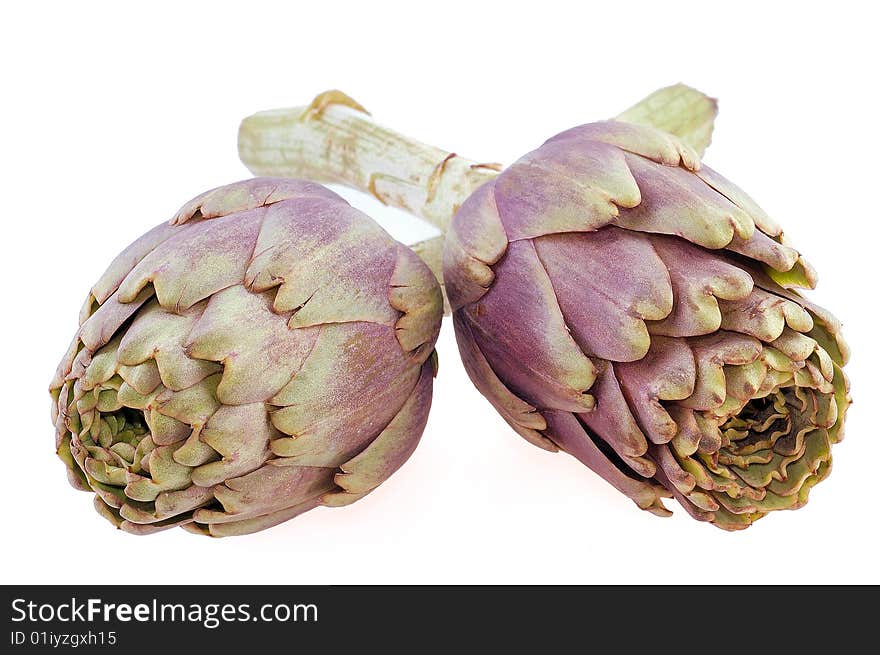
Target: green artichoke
{"type": "Point", "coordinates": [269, 350]}
{"type": "Point", "coordinates": [614, 298]}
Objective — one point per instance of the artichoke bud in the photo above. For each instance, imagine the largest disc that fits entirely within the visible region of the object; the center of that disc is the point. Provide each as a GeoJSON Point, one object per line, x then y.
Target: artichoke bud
{"type": "Point", "coordinates": [268, 351]}
{"type": "Point", "coordinates": [614, 298]}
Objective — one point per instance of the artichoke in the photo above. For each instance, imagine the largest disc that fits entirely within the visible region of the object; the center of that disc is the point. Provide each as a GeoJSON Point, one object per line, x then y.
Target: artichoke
{"type": "Point", "coordinates": [268, 351]}
{"type": "Point", "coordinates": [613, 298]}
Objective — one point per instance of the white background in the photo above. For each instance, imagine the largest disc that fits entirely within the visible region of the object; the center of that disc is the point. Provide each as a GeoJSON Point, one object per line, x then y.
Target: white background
{"type": "Point", "coordinates": [112, 117]}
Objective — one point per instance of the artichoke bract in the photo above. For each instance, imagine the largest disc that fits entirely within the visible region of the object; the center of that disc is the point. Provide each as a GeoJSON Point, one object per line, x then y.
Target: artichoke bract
{"type": "Point", "coordinates": [614, 298]}
{"type": "Point", "coordinates": [269, 350]}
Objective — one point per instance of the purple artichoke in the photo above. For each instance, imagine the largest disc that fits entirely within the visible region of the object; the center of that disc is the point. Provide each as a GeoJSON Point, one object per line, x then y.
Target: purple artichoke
{"type": "Point", "coordinates": [616, 299]}
{"type": "Point", "coordinates": [268, 351]}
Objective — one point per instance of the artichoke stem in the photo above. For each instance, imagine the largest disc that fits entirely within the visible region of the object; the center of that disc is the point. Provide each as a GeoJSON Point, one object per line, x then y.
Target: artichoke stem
{"type": "Point", "coordinates": [679, 110]}
{"type": "Point", "coordinates": [334, 139]}
{"type": "Point", "coordinates": [431, 252]}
